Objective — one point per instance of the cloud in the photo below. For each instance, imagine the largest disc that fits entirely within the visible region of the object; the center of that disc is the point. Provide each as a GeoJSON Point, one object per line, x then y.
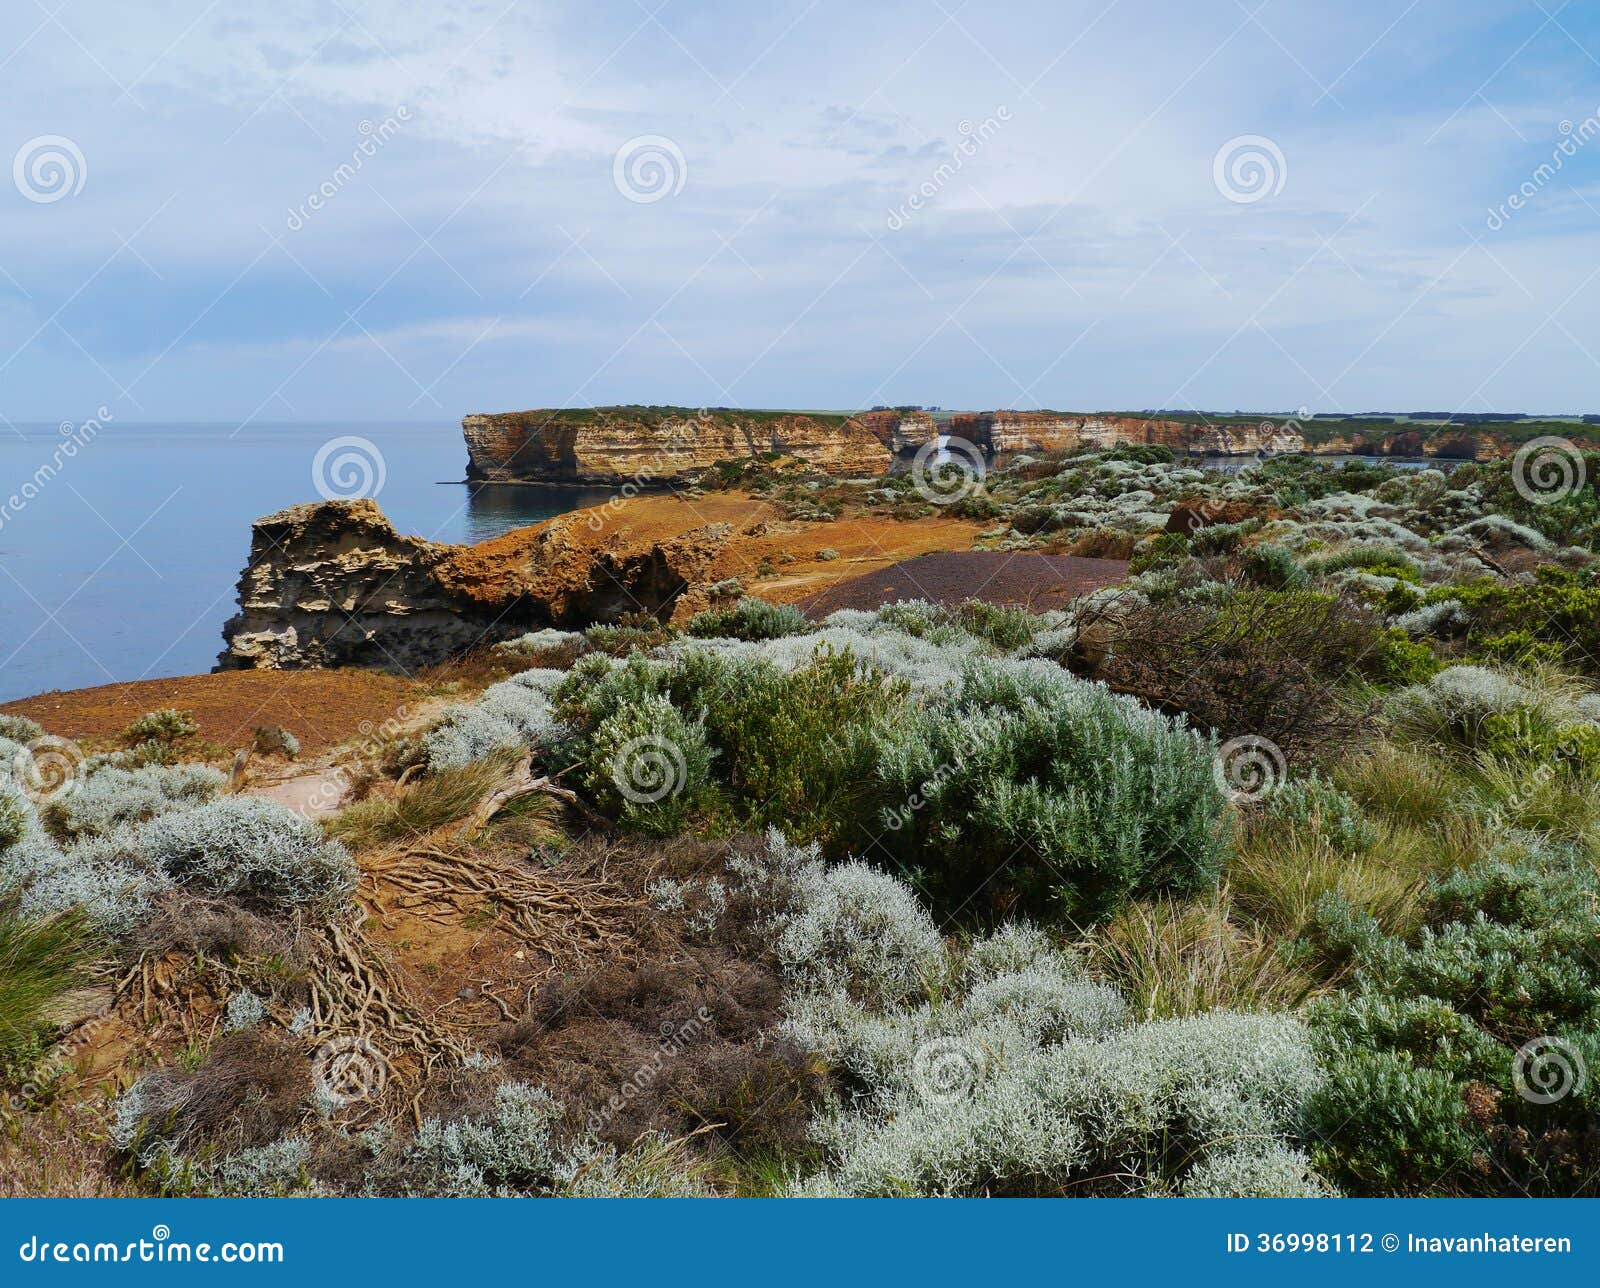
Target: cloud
{"type": "Point", "coordinates": [1080, 255]}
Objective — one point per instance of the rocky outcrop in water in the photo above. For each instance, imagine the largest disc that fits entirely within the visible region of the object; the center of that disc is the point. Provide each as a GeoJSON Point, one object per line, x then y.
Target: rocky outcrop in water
{"type": "Point", "coordinates": [333, 584]}
{"type": "Point", "coordinates": [659, 445]}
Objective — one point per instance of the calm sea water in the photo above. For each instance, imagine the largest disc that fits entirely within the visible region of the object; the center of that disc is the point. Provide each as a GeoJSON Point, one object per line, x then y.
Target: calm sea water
{"type": "Point", "coordinates": [123, 565]}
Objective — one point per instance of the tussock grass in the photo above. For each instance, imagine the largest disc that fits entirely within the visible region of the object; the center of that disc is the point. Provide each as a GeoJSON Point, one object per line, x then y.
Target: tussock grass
{"type": "Point", "coordinates": [1171, 959]}
{"type": "Point", "coordinates": [440, 798]}
{"type": "Point", "coordinates": [40, 962]}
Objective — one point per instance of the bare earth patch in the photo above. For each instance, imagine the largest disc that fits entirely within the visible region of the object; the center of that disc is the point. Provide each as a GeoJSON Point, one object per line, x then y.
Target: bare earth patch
{"type": "Point", "coordinates": [1037, 581]}
{"type": "Point", "coordinates": [319, 707]}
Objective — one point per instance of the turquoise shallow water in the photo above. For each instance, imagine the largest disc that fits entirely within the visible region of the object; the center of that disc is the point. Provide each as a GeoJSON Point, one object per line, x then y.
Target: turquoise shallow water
{"type": "Point", "coordinates": [122, 564]}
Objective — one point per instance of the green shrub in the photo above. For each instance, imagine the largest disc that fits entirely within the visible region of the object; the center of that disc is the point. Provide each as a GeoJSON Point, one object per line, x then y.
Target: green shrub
{"type": "Point", "coordinates": [165, 728]}
{"type": "Point", "coordinates": [1444, 1030]}
{"type": "Point", "coordinates": [648, 766]}
{"type": "Point", "coordinates": [1273, 567]}
{"type": "Point", "coordinates": [19, 729]}
{"type": "Point", "coordinates": [790, 744]}
{"type": "Point", "coordinates": [749, 619]}
{"type": "Point", "coordinates": [1008, 627]}
{"type": "Point", "coordinates": [1028, 785]}
{"type": "Point", "coordinates": [1314, 805]}
{"type": "Point", "coordinates": [1557, 618]}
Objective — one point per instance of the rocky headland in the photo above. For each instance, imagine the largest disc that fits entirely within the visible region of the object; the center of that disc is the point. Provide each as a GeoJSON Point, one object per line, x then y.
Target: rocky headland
{"type": "Point", "coordinates": [665, 445]}
{"type": "Point", "coordinates": [333, 584]}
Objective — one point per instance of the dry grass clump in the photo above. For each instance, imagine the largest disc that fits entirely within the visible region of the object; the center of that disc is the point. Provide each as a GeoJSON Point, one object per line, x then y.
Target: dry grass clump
{"type": "Point", "coordinates": [253, 1088]}
{"type": "Point", "coordinates": [60, 1152]}
{"type": "Point", "coordinates": [418, 808]}
{"type": "Point", "coordinates": [1170, 959]}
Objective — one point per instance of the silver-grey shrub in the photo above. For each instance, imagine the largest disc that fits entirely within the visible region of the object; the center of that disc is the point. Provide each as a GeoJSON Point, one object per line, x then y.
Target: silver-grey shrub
{"type": "Point", "coordinates": [514, 714]}
{"type": "Point", "coordinates": [862, 932]}
{"type": "Point", "coordinates": [109, 798]}
{"type": "Point", "coordinates": [1134, 1113]}
{"type": "Point", "coordinates": [255, 851]}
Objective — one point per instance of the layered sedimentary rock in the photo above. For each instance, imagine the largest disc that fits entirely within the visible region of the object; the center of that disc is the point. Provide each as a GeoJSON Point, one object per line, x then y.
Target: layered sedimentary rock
{"type": "Point", "coordinates": [333, 584]}
{"type": "Point", "coordinates": [902, 431]}
{"type": "Point", "coordinates": [1002, 432]}
{"type": "Point", "coordinates": [658, 444]}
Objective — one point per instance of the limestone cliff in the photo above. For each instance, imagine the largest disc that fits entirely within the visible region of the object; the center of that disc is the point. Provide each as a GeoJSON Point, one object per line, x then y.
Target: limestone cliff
{"type": "Point", "coordinates": [903, 432]}
{"type": "Point", "coordinates": [658, 444]}
{"type": "Point", "coordinates": [1003, 432]}
{"type": "Point", "coordinates": [333, 584]}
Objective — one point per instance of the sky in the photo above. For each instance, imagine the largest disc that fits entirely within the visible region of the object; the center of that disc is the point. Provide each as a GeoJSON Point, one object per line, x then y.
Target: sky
{"type": "Point", "coordinates": [353, 209]}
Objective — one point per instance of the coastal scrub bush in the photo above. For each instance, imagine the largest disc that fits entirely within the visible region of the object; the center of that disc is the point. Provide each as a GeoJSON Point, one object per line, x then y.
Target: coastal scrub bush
{"type": "Point", "coordinates": [1455, 1062]}
{"type": "Point", "coordinates": [1251, 662]}
{"type": "Point", "coordinates": [1535, 716]}
{"type": "Point", "coordinates": [515, 714]}
{"type": "Point", "coordinates": [109, 798]}
{"type": "Point", "coordinates": [1139, 1111]}
{"type": "Point", "coordinates": [1038, 789]}
{"type": "Point", "coordinates": [165, 727]}
{"type": "Point", "coordinates": [648, 766]}
{"type": "Point", "coordinates": [749, 619]}
{"type": "Point", "coordinates": [254, 851]}
{"type": "Point", "coordinates": [1274, 567]}
{"type": "Point", "coordinates": [862, 932]}
{"type": "Point", "coordinates": [1555, 618]}
{"type": "Point", "coordinates": [19, 729]}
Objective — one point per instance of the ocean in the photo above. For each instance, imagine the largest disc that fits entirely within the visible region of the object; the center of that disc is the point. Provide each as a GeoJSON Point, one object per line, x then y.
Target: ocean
{"type": "Point", "coordinates": [121, 544]}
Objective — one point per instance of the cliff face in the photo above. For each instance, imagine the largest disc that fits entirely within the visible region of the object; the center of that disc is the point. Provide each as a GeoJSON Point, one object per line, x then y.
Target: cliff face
{"type": "Point", "coordinates": [333, 584]}
{"type": "Point", "coordinates": [1003, 432]}
{"type": "Point", "coordinates": [658, 444]}
{"type": "Point", "coordinates": [902, 432]}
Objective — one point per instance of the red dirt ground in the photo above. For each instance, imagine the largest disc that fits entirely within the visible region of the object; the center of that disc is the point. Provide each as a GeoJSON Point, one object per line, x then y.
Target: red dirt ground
{"type": "Point", "coordinates": [318, 707]}
{"type": "Point", "coordinates": [1038, 581]}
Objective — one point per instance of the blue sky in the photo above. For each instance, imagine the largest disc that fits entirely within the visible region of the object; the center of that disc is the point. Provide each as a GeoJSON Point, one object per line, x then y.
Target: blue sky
{"type": "Point", "coordinates": [1089, 247]}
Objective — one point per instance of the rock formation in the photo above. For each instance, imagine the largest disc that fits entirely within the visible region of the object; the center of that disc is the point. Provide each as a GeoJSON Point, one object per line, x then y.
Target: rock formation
{"type": "Point", "coordinates": [902, 431]}
{"type": "Point", "coordinates": [659, 444]}
{"type": "Point", "coordinates": [1003, 432]}
{"type": "Point", "coordinates": [333, 584]}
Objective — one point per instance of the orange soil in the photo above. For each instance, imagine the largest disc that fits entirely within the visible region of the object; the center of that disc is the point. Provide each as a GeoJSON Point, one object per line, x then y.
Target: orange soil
{"type": "Point", "coordinates": [864, 542]}
{"type": "Point", "coordinates": [319, 707]}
